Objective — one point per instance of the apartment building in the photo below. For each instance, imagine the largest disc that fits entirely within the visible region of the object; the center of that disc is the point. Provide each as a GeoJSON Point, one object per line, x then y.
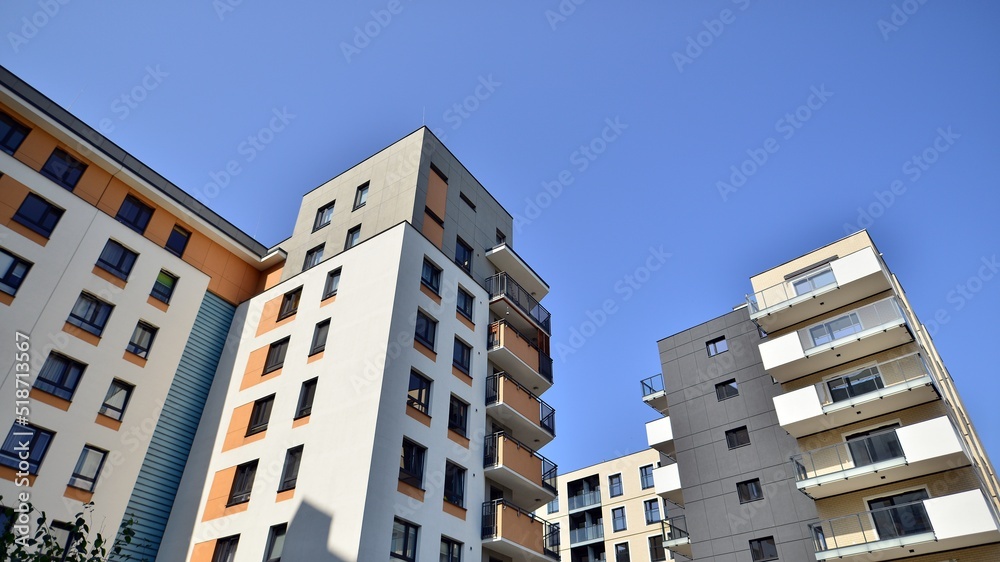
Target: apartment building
{"type": "Point", "coordinates": [819, 422]}
{"type": "Point", "coordinates": [610, 511]}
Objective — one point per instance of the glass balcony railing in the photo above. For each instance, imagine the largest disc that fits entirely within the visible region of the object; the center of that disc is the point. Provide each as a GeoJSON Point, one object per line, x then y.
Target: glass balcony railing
{"type": "Point", "coordinates": [846, 326]}
{"type": "Point", "coordinates": [586, 533]}
{"type": "Point", "coordinates": [494, 395]}
{"type": "Point", "coordinates": [868, 527]}
{"type": "Point", "coordinates": [586, 499]}
{"type": "Point", "coordinates": [652, 385]}
{"type": "Point", "coordinates": [502, 285]}
{"type": "Point", "coordinates": [788, 290]}
{"type": "Point", "coordinates": [872, 449]}
{"type": "Point", "coordinates": [873, 379]}
{"type": "Point", "coordinates": [674, 528]}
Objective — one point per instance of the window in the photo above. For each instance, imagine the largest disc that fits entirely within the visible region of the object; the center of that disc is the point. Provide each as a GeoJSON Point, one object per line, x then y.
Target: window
{"type": "Point", "coordinates": [63, 169]}
{"type": "Point", "coordinates": [242, 483]}
{"type": "Point", "coordinates": [425, 329]}
{"type": "Point", "coordinates": [323, 216]}
{"type": "Point", "coordinates": [501, 238]}
{"type": "Point", "coordinates": [835, 329]}
{"type": "Point", "coordinates": [763, 549]}
{"type": "Point", "coordinates": [656, 551]}
{"type": "Point", "coordinates": [260, 415]}
{"type": "Point", "coordinates": [900, 515]}
{"type": "Point", "coordinates": [319, 337]}
{"type": "Point", "coordinates": [873, 446]}
{"type": "Point", "coordinates": [467, 201]}
{"type": "Point", "coordinates": [451, 551]}
{"type": "Point", "coordinates": [134, 214]}
{"type": "Point", "coordinates": [419, 393]}
{"type": "Point", "coordinates": [38, 215]}
{"type": "Point", "coordinates": [454, 484]}
{"type": "Point", "coordinates": [163, 287]}
{"type": "Point", "coordinates": [646, 476]}
{"type": "Point", "coordinates": [37, 440]}
{"type": "Point", "coordinates": [225, 549]}
{"type": "Point", "coordinates": [142, 339]}
{"type": "Point", "coordinates": [12, 271]}
{"type": "Point", "coordinates": [727, 389]}
{"type": "Point", "coordinates": [313, 257]}
{"type": "Point", "coordinates": [463, 255]}
{"type": "Point", "coordinates": [353, 235]}
{"type": "Point", "coordinates": [411, 464]}
{"type": "Point", "coordinates": [462, 356]}
{"type": "Point", "coordinates": [458, 416]}
{"type": "Point", "coordinates": [361, 197]}
{"type": "Point", "coordinates": [116, 400]}
{"type": "Point", "coordinates": [275, 356]}
{"type": "Point", "coordinates": [812, 281]}
{"type": "Point", "coordinates": [716, 346]}
{"type": "Point", "coordinates": [737, 437]}
{"type": "Point", "coordinates": [63, 535]}
{"type": "Point", "coordinates": [618, 519]}
{"type": "Point", "coordinates": [177, 241]}
{"type": "Point", "coordinates": [60, 376]}
{"type": "Point", "coordinates": [855, 384]}
{"type": "Point", "coordinates": [615, 485]}
{"type": "Point", "coordinates": [404, 540]}
{"type": "Point", "coordinates": [621, 552]}
{"type": "Point", "coordinates": [275, 543]}
{"type": "Point", "coordinates": [332, 284]}
{"type": "Point", "coordinates": [290, 472]}
{"type": "Point", "coordinates": [750, 491]}
{"type": "Point", "coordinates": [306, 395]}
{"type": "Point", "coordinates": [553, 506]}
{"type": "Point", "coordinates": [90, 314]}
{"type": "Point", "coordinates": [430, 276]}
{"type": "Point", "coordinates": [290, 303]}
{"type": "Point", "coordinates": [464, 305]}
{"type": "Point", "coordinates": [12, 134]}
{"type": "Point", "coordinates": [88, 468]}
{"type": "Point", "coordinates": [652, 510]}
{"type": "Point", "coordinates": [117, 260]}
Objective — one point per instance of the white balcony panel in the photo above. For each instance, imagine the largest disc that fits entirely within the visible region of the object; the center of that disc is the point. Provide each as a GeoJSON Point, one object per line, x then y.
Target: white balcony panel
{"type": "Point", "coordinates": [667, 484]}
{"type": "Point", "coordinates": [504, 258]}
{"type": "Point", "coordinates": [660, 436]}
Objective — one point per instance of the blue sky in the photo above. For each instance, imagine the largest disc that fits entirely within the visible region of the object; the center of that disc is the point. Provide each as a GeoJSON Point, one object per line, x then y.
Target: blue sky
{"type": "Point", "coordinates": [731, 135]}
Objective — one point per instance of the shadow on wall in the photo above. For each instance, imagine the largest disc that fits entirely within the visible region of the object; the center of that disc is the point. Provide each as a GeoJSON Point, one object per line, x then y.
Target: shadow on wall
{"type": "Point", "coordinates": [308, 532]}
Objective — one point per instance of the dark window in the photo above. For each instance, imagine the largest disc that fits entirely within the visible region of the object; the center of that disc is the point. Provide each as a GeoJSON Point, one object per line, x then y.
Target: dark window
{"type": "Point", "coordinates": [419, 394]}
{"type": "Point", "coordinates": [404, 540]}
{"type": "Point", "coordinates": [454, 484]}
{"type": "Point", "coordinates": [63, 169]}
{"type": "Point", "coordinates": [37, 441]}
{"type": "Point", "coordinates": [750, 491]}
{"type": "Point", "coordinates": [90, 314]}
{"type": "Point", "coordinates": [411, 463]}
{"type": "Point", "coordinates": [361, 197]}
{"type": "Point", "coordinates": [458, 415]}
{"type": "Point", "coordinates": [290, 472]}
{"type": "Point", "coordinates": [621, 553]}
{"type": "Point", "coordinates": [467, 201]}
{"type": "Point", "coordinates": [242, 483]}
{"type": "Point", "coordinates": [275, 356]}
{"type": "Point", "coordinates": [615, 485]}
{"type": "Point", "coordinates": [465, 301]}
{"type": "Point", "coordinates": [163, 287]}
{"type": "Point", "coordinates": [763, 549]}
{"type": "Point", "coordinates": [63, 535]}
{"type": "Point", "coordinates": [323, 216]}
{"type": "Point", "coordinates": [501, 238]}
{"type": "Point", "coordinates": [900, 515]}
{"type": "Point", "coordinates": [426, 329]}
{"type": "Point", "coordinates": [877, 445]}
{"type": "Point", "coordinates": [88, 468]}
{"type": "Point", "coordinates": [463, 255]}
{"type": "Point", "coordinates": [12, 271]}
{"type": "Point", "coordinates": [60, 376]}
{"type": "Point", "coordinates": [142, 339]}
{"type": "Point", "coordinates": [313, 257]}
{"type": "Point", "coordinates": [353, 235]}
{"type": "Point", "coordinates": [646, 476]}
{"type": "Point", "coordinates": [727, 389]}
{"type": "Point", "coordinates": [652, 510]}
{"type": "Point", "coordinates": [306, 395]}
{"type": "Point", "coordinates": [737, 437]}
{"type": "Point", "coordinates": [332, 283]}
{"type": "Point", "coordinates": [38, 215]}
{"type": "Point", "coordinates": [451, 551]}
{"type": "Point", "coordinates": [716, 346]}
{"type": "Point", "coordinates": [553, 506]}
{"type": "Point", "coordinates": [135, 214]}
{"type": "Point", "coordinates": [225, 549]}
{"type": "Point", "coordinates": [462, 356]}
{"type": "Point", "coordinates": [618, 519]}
{"type": "Point", "coordinates": [12, 133]}
{"type": "Point", "coordinates": [260, 415]}
{"type": "Point", "coordinates": [116, 400]}
{"type": "Point", "coordinates": [656, 551]}
{"type": "Point", "coordinates": [319, 337]}
{"type": "Point", "coordinates": [290, 303]}
{"type": "Point", "coordinates": [117, 260]}
{"type": "Point", "coordinates": [275, 543]}
{"type": "Point", "coordinates": [430, 276]}
{"type": "Point", "coordinates": [177, 241]}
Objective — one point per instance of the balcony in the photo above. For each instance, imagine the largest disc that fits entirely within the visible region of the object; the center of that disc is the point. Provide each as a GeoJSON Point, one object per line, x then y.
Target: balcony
{"type": "Point", "coordinates": [585, 500]}
{"type": "Point", "coordinates": [880, 458]}
{"type": "Point", "coordinates": [862, 394]}
{"type": "Point", "coordinates": [586, 534]}
{"type": "Point", "coordinates": [519, 409]}
{"type": "Point", "coordinates": [519, 534]}
{"type": "Point", "coordinates": [675, 536]}
{"type": "Point", "coordinates": [506, 293]}
{"type": "Point", "coordinates": [839, 283]}
{"type": "Point", "coordinates": [667, 484]}
{"type": "Point", "coordinates": [505, 259]}
{"type": "Point", "coordinates": [913, 529]}
{"type": "Point", "coordinates": [660, 436]}
{"type": "Point", "coordinates": [530, 476]}
{"type": "Point", "coordinates": [653, 393]}
{"type": "Point", "coordinates": [519, 357]}
{"type": "Point", "coordinates": [861, 332]}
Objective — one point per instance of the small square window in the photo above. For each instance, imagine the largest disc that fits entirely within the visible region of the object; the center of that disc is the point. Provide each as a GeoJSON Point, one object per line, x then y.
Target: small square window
{"type": "Point", "coordinates": [177, 241]}
{"type": "Point", "coordinates": [134, 214]}
{"type": "Point", "coordinates": [451, 551]}
{"type": "Point", "coordinates": [615, 485]}
{"type": "Point", "coordinates": [163, 287]}
{"type": "Point", "coordinates": [290, 472]}
{"type": "Point", "coordinates": [306, 395]}
{"type": "Point", "coordinates": [454, 484]}
{"type": "Point", "coordinates": [750, 491]}
{"type": "Point", "coordinates": [276, 355]}
{"type": "Point", "coordinates": [225, 549]}
{"type": "Point", "coordinates": [737, 437]}
{"type": "Point", "coordinates": [290, 303]}
{"type": "Point", "coordinates": [419, 392]}
{"type": "Point", "coordinates": [332, 284]}
{"type": "Point", "coordinates": [63, 169]}
{"type": "Point", "coordinates": [90, 314]}
{"type": "Point", "coordinates": [116, 400]}
{"type": "Point", "coordinates": [117, 260]}
{"type": "Point", "coordinates": [716, 346]}
{"type": "Point", "coordinates": [618, 522]}
{"type": "Point", "coordinates": [458, 415]}
{"type": "Point", "coordinates": [646, 476]}
{"type": "Point", "coordinates": [60, 376]}
{"type": "Point", "coordinates": [319, 337]}
{"type": "Point", "coordinates": [651, 508]}
{"type": "Point", "coordinates": [88, 468]}
{"type": "Point", "coordinates": [12, 134]}
{"type": "Point", "coordinates": [462, 357]}
{"type": "Point", "coordinates": [37, 440]}
{"type": "Point", "coordinates": [38, 215]}
{"type": "Point", "coordinates": [430, 276]}
{"type": "Point", "coordinates": [260, 415]}
{"type": "Point", "coordinates": [361, 197]}
{"type": "Point", "coordinates": [142, 339]}
{"type": "Point", "coordinates": [323, 216]}
{"type": "Point", "coordinates": [727, 389]}
{"type": "Point", "coordinates": [621, 553]}
{"type": "Point", "coordinates": [411, 463]}
{"type": "Point", "coordinates": [463, 255]}
{"type": "Point", "coordinates": [763, 549]}
{"type": "Point", "coordinates": [242, 483]}
{"type": "Point", "coordinates": [13, 270]}
{"type": "Point", "coordinates": [353, 236]}
{"type": "Point", "coordinates": [426, 329]}
{"type": "Point", "coordinates": [404, 541]}
{"type": "Point", "coordinates": [275, 543]}
{"type": "Point", "coordinates": [313, 257]}
{"type": "Point", "coordinates": [464, 303]}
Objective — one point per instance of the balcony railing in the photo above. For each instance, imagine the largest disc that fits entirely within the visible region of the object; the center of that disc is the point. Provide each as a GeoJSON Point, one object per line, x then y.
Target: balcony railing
{"type": "Point", "coordinates": [502, 285]}
{"type": "Point", "coordinates": [495, 339]}
{"type": "Point", "coordinates": [492, 528]}
{"type": "Point", "coordinates": [674, 529]}
{"type": "Point", "coordinates": [586, 499]}
{"type": "Point", "coordinates": [856, 453]}
{"type": "Point", "coordinates": [832, 330]}
{"type": "Point", "coordinates": [882, 524]}
{"type": "Point", "coordinates": [652, 385]}
{"type": "Point", "coordinates": [586, 533]}
{"type": "Point", "coordinates": [546, 413]}
{"type": "Point", "coordinates": [788, 290]}
{"type": "Point", "coordinates": [873, 379]}
{"type": "Point", "coordinates": [492, 458]}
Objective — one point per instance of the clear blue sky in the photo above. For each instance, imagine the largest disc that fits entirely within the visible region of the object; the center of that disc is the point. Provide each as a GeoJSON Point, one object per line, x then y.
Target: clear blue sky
{"type": "Point", "coordinates": [837, 102]}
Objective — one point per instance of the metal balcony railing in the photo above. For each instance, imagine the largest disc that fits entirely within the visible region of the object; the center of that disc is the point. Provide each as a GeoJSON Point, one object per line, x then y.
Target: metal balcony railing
{"type": "Point", "coordinates": [871, 526]}
{"type": "Point", "coordinates": [491, 525]}
{"type": "Point", "coordinates": [502, 285]}
{"type": "Point", "coordinates": [872, 379]}
{"type": "Point", "coordinates": [546, 413]}
{"type": "Point", "coordinates": [586, 533]}
{"type": "Point", "coordinates": [832, 330]}
{"type": "Point", "coordinates": [586, 499]}
{"type": "Point", "coordinates": [495, 338]}
{"type": "Point", "coordinates": [674, 528]}
{"type": "Point", "coordinates": [491, 458]}
{"type": "Point", "coordinates": [856, 453]}
{"type": "Point", "coordinates": [652, 385]}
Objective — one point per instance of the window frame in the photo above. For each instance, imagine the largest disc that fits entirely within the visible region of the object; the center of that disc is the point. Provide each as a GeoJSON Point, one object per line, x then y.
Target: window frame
{"type": "Point", "coordinates": [91, 324]}
{"type": "Point", "coordinates": [458, 415]}
{"type": "Point", "coordinates": [332, 284]}
{"type": "Point", "coordinates": [36, 453]}
{"type": "Point", "coordinates": [618, 552]}
{"type": "Point", "coordinates": [467, 296]}
{"type": "Point", "coordinates": [461, 357]}
{"type": "Point", "coordinates": [67, 178]}
{"type": "Point", "coordinates": [552, 506]}
{"type": "Point", "coordinates": [144, 214]}
{"type": "Point", "coordinates": [713, 348]}
{"type": "Point", "coordinates": [314, 256]}
{"type": "Point", "coordinates": [323, 218]}
{"type": "Point", "coordinates": [760, 543]}
{"type": "Point", "coordinates": [160, 295]}
{"type": "Point", "coordinates": [76, 478]}
{"type": "Point", "coordinates": [655, 503]}
{"type": "Point", "coordinates": [353, 237]}
{"type": "Point", "coordinates": [225, 549]}
{"type": "Point", "coordinates": [276, 353]}
{"type": "Point", "coordinates": [105, 407]}
{"type": "Point", "coordinates": [290, 468]}
{"type": "Point", "coordinates": [14, 127]}
{"type": "Point", "coordinates": [451, 550]}
{"type": "Point", "coordinates": [422, 400]}
{"type": "Point", "coordinates": [361, 196]}
{"type": "Point", "coordinates": [462, 247]}
{"type": "Point", "coordinates": [430, 276]}
{"type": "Point", "coordinates": [454, 492]}
{"type": "Point", "coordinates": [242, 486]}
{"type": "Point", "coordinates": [727, 389]}
{"type": "Point", "coordinates": [611, 485]}
{"type": "Point", "coordinates": [656, 551]}
{"type": "Point", "coordinates": [307, 392]}
{"type": "Point", "coordinates": [9, 276]}
{"type": "Point", "coordinates": [430, 325]}
{"type": "Point", "coordinates": [410, 536]}
{"type": "Point", "coordinates": [616, 519]}
{"type": "Point", "coordinates": [60, 387]}
{"type": "Point", "coordinates": [272, 539]}
{"type": "Point", "coordinates": [746, 490]}
{"type": "Point", "coordinates": [38, 225]}
{"type": "Point", "coordinates": [412, 461]}
{"type": "Point", "coordinates": [465, 199]}
{"type": "Point", "coordinates": [646, 478]}
{"type": "Point", "coordinates": [171, 245]}
{"type": "Point", "coordinates": [125, 262]}
{"type": "Point", "coordinates": [260, 415]}
{"type": "Point", "coordinates": [735, 433]}
{"type": "Point", "coordinates": [135, 348]}
{"type": "Point", "coordinates": [321, 331]}
{"type": "Point", "coordinates": [290, 303]}
{"type": "Point", "coordinates": [71, 536]}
